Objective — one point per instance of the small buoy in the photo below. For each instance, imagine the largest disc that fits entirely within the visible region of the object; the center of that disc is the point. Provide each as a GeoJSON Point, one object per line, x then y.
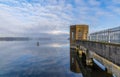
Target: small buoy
{"type": "Point", "coordinates": [37, 43]}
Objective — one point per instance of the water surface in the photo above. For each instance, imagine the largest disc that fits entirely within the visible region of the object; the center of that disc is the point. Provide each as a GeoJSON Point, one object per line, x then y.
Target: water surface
{"type": "Point", "coordinates": [26, 59]}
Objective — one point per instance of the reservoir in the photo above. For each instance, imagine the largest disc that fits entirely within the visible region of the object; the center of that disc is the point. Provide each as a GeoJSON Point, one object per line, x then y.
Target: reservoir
{"type": "Point", "coordinates": [27, 59]}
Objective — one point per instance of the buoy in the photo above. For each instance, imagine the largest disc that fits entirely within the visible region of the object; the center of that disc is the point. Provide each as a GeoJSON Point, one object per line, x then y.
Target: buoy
{"type": "Point", "coordinates": [37, 43]}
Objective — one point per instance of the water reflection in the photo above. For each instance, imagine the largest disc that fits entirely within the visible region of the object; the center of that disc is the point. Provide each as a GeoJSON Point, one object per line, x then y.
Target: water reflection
{"type": "Point", "coordinates": [26, 59]}
{"type": "Point", "coordinates": [78, 64]}
{"type": "Point", "coordinates": [74, 66]}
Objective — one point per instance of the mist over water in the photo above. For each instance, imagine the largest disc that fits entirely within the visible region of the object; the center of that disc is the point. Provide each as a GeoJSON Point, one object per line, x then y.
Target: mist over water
{"type": "Point", "coordinates": [26, 59]}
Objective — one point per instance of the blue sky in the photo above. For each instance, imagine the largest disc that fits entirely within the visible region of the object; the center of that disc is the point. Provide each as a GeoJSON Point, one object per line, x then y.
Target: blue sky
{"type": "Point", "coordinates": [33, 17]}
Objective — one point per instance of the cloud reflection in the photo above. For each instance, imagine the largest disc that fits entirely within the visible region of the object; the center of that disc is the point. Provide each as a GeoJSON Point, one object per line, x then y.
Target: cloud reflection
{"type": "Point", "coordinates": [57, 45]}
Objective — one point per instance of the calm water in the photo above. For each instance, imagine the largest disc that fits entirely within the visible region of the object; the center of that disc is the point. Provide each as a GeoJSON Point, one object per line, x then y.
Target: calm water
{"type": "Point", "coordinates": [26, 59]}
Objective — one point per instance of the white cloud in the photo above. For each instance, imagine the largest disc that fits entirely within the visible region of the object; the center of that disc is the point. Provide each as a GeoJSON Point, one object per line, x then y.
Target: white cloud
{"type": "Point", "coordinates": [56, 32]}
{"type": "Point", "coordinates": [116, 1]}
{"type": "Point", "coordinates": [21, 19]}
{"type": "Point", "coordinates": [80, 3]}
{"type": "Point", "coordinates": [94, 2]}
{"type": "Point", "coordinates": [55, 16]}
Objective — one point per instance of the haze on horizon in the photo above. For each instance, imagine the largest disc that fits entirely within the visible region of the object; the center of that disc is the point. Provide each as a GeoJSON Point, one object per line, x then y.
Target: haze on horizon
{"type": "Point", "coordinates": [53, 17]}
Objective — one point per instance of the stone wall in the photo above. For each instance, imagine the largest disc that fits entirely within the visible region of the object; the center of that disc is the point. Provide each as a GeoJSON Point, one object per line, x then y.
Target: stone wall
{"type": "Point", "coordinates": [108, 51]}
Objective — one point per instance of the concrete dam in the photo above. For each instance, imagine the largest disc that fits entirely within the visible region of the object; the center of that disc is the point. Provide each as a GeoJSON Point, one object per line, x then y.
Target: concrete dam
{"type": "Point", "coordinates": [94, 58]}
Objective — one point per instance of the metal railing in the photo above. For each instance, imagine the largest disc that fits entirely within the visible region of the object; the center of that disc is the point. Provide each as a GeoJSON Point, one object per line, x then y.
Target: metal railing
{"type": "Point", "coordinates": [109, 35]}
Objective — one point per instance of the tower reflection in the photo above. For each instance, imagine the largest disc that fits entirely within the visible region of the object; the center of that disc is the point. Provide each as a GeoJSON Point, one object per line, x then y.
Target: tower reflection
{"type": "Point", "coordinates": [74, 67]}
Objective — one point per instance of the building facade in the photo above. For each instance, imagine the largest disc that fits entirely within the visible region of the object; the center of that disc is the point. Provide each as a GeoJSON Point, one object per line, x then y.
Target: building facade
{"type": "Point", "coordinates": [78, 32]}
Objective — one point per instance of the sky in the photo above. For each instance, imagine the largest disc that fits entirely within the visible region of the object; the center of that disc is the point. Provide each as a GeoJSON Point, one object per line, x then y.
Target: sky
{"type": "Point", "coordinates": [53, 17]}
